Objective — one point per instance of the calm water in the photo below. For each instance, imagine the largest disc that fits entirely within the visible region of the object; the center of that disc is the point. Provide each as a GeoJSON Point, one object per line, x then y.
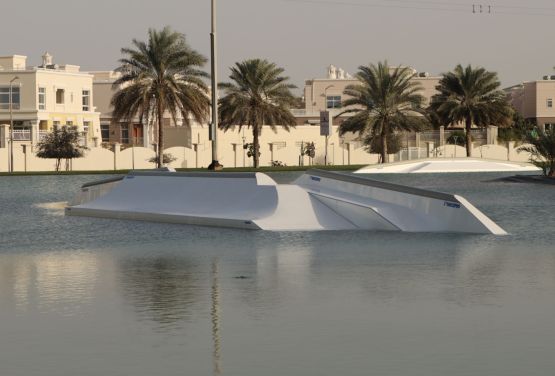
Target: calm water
{"type": "Point", "coordinates": [82, 296]}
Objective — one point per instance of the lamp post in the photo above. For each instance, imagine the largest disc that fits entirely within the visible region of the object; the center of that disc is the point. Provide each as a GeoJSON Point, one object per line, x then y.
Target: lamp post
{"type": "Point", "coordinates": [11, 122]}
{"type": "Point", "coordinates": [326, 109]}
{"type": "Point", "coordinates": [243, 148]}
{"type": "Point", "coordinates": [215, 165]}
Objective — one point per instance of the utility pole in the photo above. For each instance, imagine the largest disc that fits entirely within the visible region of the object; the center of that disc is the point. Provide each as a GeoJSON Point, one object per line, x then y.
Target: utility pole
{"type": "Point", "coordinates": [11, 122]}
{"type": "Point", "coordinates": [215, 165]}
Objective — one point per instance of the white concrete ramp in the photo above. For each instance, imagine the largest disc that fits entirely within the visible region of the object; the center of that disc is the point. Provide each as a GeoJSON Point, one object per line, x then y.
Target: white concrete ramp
{"type": "Point", "coordinates": [441, 165]}
{"type": "Point", "coordinates": [318, 200]}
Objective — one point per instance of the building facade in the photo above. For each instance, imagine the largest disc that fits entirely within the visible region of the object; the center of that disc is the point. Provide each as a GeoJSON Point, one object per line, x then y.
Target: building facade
{"type": "Point", "coordinates": [534, 100]}
{"type": "Point", "coordinates": [327, 93]}
{"type": "Point", "coordinates": [138, 132]}
{"type": "Point", "coordinates": [44, 97]}
{"type": "Point", "coordinates": [321, 94]}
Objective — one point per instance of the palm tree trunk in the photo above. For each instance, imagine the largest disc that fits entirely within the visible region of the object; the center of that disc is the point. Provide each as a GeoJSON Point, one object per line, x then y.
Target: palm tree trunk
{"type": "Point", "coordinates": [160, 133]}
{"type": "Point", "coordinates": [551, 171]}
{"type": "Point", "coordinates": [255, 144]}
{"type": "Point", "coordinates": [385, 156]}
{"type": "Point", "coordinates": [468, 137]}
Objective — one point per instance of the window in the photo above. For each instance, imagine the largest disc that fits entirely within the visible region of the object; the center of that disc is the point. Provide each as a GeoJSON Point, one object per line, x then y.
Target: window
{"type": "Point", "coordinates": [42, 98]}
{"type": "Point", "coordinates": [333, 101]}
{"type": "Point", "coordinates": [5, 98]}
{"type": "Point", "coordinates": [86, 127]}
{"type": "Point", "coordinates": [105, 132]}
{"type": "Point", "coordinates": [56, 123]}
{"type": "Point", "coordinates": [60, 94]}
{"type": "Point", "coordinates": [125, 134]}
{"type": "Point", "coordinates": [549, 127]}
{"type": "Point", "coordinates": [549, 103]}
{"type": "Point", "coordinates": [86, 100]}
{"type": "Point", "coordinates": [69, 123]}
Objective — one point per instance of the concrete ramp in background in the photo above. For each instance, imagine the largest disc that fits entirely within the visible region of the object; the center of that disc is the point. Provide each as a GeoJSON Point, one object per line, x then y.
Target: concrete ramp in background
{"type": "Point", "coordinates": [441, 165]}
{"type": "Point", "coordinates": [318, 200]}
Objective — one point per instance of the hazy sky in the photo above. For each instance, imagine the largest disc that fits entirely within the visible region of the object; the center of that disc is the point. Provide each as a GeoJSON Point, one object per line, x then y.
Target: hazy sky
{"type": "Point", "coordinates": [303, 36]}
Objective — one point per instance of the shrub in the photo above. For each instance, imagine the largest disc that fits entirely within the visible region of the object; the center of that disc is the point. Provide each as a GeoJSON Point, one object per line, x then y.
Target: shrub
{"type": "Point", "coordinates": [166, 159]}
{"type": "Point", "coordinates": [458, 138]}
{"type": "Point", "coordinates": [542, 150]}
{"type": "Point", "coordinates": [61, 143]}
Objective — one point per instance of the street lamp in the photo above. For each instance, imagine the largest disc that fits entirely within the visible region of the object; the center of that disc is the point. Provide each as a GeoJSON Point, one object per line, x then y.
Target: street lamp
{"type": "Point", "coordinates": [215, 165]}
{"type": "Point", "coordinates": [326, 109]}
{"type": "Point", "coordinates": [11, 122]}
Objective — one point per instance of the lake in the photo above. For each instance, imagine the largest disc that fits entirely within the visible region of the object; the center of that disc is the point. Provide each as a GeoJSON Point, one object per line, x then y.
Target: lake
{"type": "Point", "coordinates": [88, 296]}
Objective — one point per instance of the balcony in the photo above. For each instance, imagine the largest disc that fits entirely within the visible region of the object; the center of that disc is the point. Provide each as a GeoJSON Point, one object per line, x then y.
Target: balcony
{"type": "Point", "coordinates": [22, 135]}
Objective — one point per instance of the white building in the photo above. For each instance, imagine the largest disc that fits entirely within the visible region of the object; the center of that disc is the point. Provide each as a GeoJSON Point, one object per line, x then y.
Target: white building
{"type": "Point", "coordinates": [46, 96]}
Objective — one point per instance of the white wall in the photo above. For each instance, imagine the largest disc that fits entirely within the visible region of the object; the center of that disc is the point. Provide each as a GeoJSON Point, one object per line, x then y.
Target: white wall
{"type": "Point", "coordinates": [340, 152]}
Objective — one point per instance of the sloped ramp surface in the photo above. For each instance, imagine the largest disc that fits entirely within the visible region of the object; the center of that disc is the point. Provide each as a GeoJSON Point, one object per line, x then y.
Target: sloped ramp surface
{"type": "Point", "coordinates": [318, 200]}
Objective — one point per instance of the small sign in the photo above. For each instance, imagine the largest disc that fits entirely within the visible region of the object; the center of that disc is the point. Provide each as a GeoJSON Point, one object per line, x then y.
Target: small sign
{"type": "Point", "coordinates": [325, 123]}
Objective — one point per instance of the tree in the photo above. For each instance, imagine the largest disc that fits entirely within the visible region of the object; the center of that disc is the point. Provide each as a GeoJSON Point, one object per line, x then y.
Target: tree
{"type": "Point", "coordinates": [470, 96]}
{"type": "Point", "coordinates": [61, 143]}
{"type": "Point", "coordinates": [258, 95]}
{"type": "Point", "coordinates": [309, 149]}
{"type": "Point", "coordinates": [542, 149]}
{"type": "Point", "coordinates": [518, 129]}
{"type": "Point", "coordinates": [159, 76]}
{"type": "Point", "coordinates": [385, 101]}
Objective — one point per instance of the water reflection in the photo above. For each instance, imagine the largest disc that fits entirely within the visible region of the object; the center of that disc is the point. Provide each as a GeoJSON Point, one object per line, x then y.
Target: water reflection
{"type": "Point", "coordinates": [53, 282]}
{"type": "Point", "coordinates": [215, 317]}
{"type": "Point", "coordinates": [162, 289]}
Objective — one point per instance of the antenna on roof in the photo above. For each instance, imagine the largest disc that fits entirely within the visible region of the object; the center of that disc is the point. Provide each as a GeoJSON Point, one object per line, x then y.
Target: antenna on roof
{"type": "Point", "coordinates": [480, 8]}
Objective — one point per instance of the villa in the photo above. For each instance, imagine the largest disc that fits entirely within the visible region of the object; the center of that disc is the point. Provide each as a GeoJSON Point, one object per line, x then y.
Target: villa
{"type": "Point", "coordinates": [534, 100]}
{"type": "Point", "coordinates": [139, 132]}
{"type": "Point", "coordinates": [321, 94]}
{"type": "Point", "coordinates": [46, 96]}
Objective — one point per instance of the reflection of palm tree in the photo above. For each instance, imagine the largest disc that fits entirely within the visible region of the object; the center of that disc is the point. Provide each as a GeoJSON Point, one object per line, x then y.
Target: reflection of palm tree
{"type": "Point", "coordinates": [161, 289]}
{"type": "Point", "coordinates": [215, 316]}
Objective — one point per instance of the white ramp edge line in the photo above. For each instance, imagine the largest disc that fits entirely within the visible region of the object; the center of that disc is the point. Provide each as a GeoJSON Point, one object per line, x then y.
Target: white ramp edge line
{"type": "Point", "coordinates": [488, 223]}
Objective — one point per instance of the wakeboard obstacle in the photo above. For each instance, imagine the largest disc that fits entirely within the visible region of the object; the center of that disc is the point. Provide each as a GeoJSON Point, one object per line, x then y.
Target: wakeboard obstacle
{"type": "Point", "coordinates": [317, 200]}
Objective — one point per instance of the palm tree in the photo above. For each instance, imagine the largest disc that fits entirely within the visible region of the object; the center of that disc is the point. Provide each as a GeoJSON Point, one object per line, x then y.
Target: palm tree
{"type": "Point", "coordinates": [470, 96]}
{"type": "Point", "coordinates": [386, 100]}
{"type": "Point", "coordinates": [159, 76]}
{"type": "Point", "coordinates": [258, 95]}
{"type": "Point", "coordinates": [542, 149]}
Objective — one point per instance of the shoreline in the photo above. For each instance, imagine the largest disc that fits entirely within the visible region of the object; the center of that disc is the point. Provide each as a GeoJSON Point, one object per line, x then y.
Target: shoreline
{"type": "Point", "coordinates": [231, 169]}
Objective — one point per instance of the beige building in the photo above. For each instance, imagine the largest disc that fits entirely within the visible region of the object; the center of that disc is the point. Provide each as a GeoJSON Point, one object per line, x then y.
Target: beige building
{"type": "Point", "coordinates": [535, 100]}
{"type": "Point", "coordinates": [327, 93]}
{"type": "Point", "coordinates": [46, 96]}
{"type": "Point", "coordinates": [138, 132]}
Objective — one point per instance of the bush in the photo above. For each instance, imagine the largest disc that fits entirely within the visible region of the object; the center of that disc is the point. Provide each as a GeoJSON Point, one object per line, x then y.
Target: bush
{"type": "Point", "coordinates": [250, 150]}
{"type": "Point", "coordinates": [167, 158]}
{"type": "Point", "coordinates": [542, 150]}
{"type": "Point", "coordinates": [309, 150]}
{"type": "Point", "coordinates": [458, 138]}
